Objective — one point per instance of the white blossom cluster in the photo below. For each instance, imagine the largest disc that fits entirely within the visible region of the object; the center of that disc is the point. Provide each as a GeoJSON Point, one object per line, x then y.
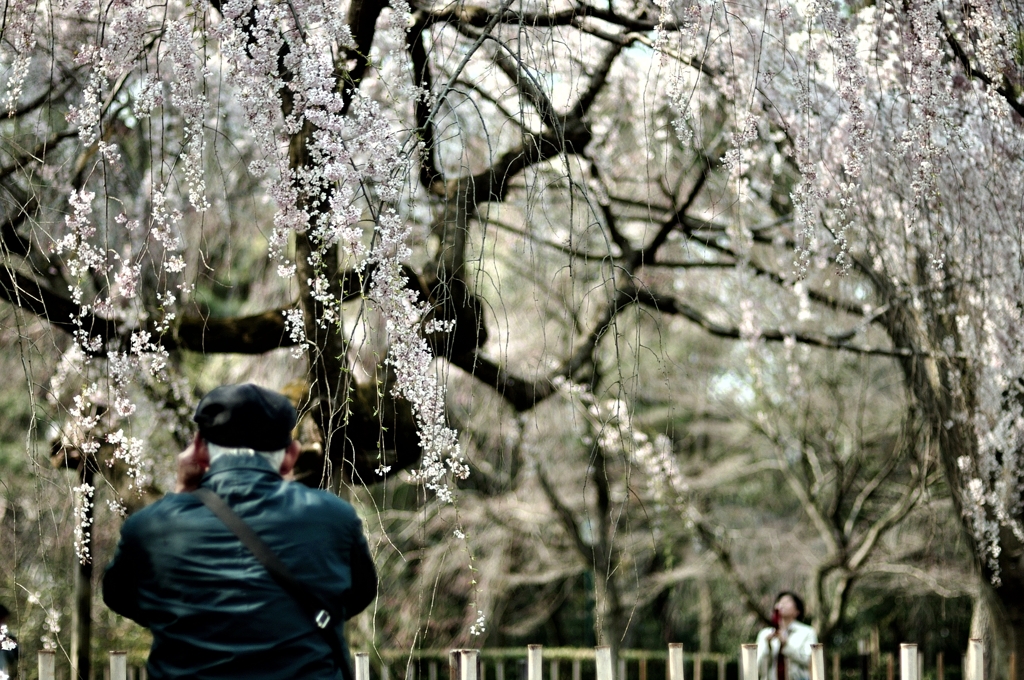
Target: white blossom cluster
{"type": "Point", "coordinates": [108, 62]}
{"type": "Point", "coordinates": [187, 96]}
{"type": "Point", "coordinates": [410, 357]}
{"type": "Point", "coordinates": [83, 416]}
{"type": "Point", "coordinates": [349, 151]}
{"type": "Point", "coordinates": [83, 521]}
{"type": "Point", "coordinates": [118, 508]}
{"type": "Point", "coordinates": [83, 255]}
{"type": "Point", "coordinates": [479, 626]}
{"type": "Point", "coordinates": [7, 643]}
{"type": "Point", "coordinates": [392, 39]}
{"type": "Point", "coordinates": [18, 32]}
{"type": "Point", "coordinates": [148, 96]}
{"type": "Point", "coordinates": [295, 326]}
{"type": "Point", "coordinates": [129, 450]}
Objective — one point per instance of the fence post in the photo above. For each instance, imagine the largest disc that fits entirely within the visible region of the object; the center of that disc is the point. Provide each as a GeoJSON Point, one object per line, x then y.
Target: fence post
{"type": "Point", "coordinates": [748, 662]}
{"type": "Point", "coordinates": [470, 664]}
{"type": "Point", "coordinates": [818, 661]}
{"type": "Point", "coordinates": [603, 660]}
{"type": "Point", "coordinates": [454, 659]}
{"type": "Point", "coordinates": [534, 662]}
{"type": "Point", "coordinates": [721, 668]}
{"type": "Point", "coordinates": [385, 672]}
{"type": "Point", "coordinates": [622, 668]}
{"type": "Point", "coordinates": [697, 663]}
{"type": "Point", "coordinates": [47, 664]}
{"type": "Point", "coordinates": [577, 670]}
{"type": "Point", "coordinates": [675, 661]}
{"type": "Point", "coordinates": [975, 659]}
{"type": "Point", "coordinates": [908, 661]}
{"type": "Point", "coordinates": [940, 667]}
{"type": "Point", "coordinates": [362, 666]}
{"type": "Point", "coordinates": [553, 670]}
{"type": "Point", "coordinates": [119, 666]}
{"type": "Point", "coordinates": [835, 666]}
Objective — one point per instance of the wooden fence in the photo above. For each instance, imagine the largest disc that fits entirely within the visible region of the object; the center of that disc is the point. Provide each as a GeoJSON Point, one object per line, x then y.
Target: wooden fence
{"type": "Point", "coordinates": [513, 663]}
{"type": "Point", "coordinates": [479, 664]}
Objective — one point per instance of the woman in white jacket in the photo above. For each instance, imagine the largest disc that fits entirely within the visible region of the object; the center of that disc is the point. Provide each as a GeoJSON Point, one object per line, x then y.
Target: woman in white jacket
{"type": "Point", "coordinates": [784, 649]}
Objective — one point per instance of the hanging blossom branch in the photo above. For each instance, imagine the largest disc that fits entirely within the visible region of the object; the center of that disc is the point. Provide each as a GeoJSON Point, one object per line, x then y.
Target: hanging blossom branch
{"type": "Point", "coordinates": [410, 357]}
{"type": "Point", "coordinates": [83, 521]}
{"type": "Point", "coordinates": [104, 280]}
{"type": "Point", "coordinates": [341, 144]}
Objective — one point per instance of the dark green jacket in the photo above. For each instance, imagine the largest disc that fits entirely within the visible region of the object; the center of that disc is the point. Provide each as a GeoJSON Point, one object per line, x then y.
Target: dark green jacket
{"type": "Point", "coordinates": [213, 609]}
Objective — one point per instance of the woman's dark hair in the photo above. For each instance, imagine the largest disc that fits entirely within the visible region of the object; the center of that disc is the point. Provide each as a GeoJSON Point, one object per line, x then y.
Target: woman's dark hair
{"type": "Point", "coordinates": [796, 600]}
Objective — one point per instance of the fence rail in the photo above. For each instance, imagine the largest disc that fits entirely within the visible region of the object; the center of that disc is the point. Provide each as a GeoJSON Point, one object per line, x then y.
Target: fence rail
{"type": "Point", "coordinates": [472, 664]}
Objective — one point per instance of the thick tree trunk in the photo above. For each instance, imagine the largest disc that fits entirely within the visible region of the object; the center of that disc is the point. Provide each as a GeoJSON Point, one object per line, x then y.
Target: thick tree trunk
{"type": "Point", "coordinates": [928, 374]}
{"type": "Point", "coordinates": [612, 618]}
{"type": "Point", "coordinates": [1001, 630]}
{"type": "Point", "coordinates": [706, 615]}
{"type": "Point", "coordinates": [81, 623]}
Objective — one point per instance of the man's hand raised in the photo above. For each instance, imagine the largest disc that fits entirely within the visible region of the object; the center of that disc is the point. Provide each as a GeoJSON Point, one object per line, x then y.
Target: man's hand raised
{"type": "Point", "coordinates": [193, 463]}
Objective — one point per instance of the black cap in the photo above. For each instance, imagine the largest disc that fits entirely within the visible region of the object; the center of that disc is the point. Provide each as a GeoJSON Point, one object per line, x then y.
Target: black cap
{"type": "Point", "coordinates": [246, 416]}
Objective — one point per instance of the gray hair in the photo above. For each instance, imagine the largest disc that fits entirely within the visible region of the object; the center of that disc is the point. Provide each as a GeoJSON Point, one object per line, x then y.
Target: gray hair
{"type": "Point", "coordinates": [275, 458]}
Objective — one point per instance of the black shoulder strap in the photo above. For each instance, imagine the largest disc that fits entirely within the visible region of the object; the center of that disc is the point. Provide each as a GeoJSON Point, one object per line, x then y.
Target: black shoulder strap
{"type": "Point", "coordinates": [318, 610]}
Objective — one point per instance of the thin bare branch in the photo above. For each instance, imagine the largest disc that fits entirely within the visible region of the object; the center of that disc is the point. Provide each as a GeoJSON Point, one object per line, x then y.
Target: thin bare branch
{"type": "Point", "coordinates": [668, 305]}
{"type": "Point", "coordinates": [565, 516]}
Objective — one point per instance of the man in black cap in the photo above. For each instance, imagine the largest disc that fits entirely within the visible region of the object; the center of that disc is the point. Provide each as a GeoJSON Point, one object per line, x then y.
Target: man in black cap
{"type": "Point", "coordinates": [214, 609]}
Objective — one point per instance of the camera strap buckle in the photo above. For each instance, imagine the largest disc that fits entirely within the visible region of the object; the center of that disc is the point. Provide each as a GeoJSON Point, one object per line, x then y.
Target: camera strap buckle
{"type": "Point", "coordinates": [322, 618]}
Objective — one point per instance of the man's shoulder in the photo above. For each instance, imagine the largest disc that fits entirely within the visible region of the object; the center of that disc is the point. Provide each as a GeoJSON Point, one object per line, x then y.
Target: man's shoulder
{"type": "Point", "coordinates": [160, 510]}
{"type": "Point", "coordinates": [318, 500]}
